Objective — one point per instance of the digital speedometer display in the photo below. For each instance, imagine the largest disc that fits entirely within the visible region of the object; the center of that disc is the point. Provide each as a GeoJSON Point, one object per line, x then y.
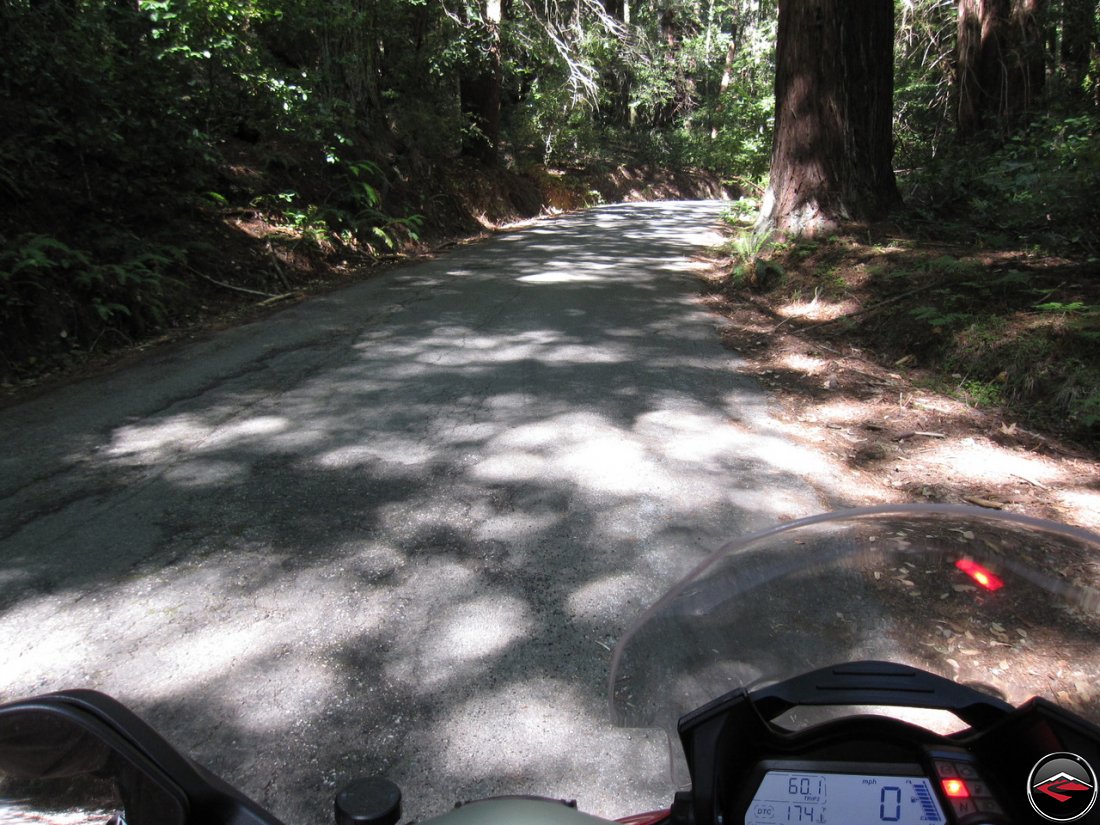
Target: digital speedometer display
{"type": "Point", "coordinates": [815, 798]}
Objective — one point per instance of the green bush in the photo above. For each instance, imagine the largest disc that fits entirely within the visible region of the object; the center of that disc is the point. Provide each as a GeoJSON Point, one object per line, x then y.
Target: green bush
{"type": "Point", "coordinates": [53, 294]}
{"type": "Point", "coordinates": [1039, 187]}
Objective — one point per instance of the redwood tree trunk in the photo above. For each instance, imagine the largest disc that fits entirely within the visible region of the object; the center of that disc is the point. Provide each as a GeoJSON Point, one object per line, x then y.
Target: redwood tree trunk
{"type": "Point", "coordinates": [834, 86]}
{"type": "Point", "coordinates": [1000, 66]}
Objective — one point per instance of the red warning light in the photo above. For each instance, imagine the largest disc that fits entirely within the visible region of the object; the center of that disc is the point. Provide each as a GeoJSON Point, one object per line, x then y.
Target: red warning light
{"type": "Point", "coordinates": [955, 789]}
{"type": "Point", "coordinates": [981, 575]}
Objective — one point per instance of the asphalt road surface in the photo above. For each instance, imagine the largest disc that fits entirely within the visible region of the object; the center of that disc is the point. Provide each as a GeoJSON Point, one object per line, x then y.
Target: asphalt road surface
{"type": "Point", "coordinates": [398, 529]}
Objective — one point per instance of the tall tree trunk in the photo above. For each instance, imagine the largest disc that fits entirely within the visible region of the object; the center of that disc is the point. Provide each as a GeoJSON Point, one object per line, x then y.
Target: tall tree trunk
{"type": "Point", "coordinates": [481, 93]}
{"type": "Point", "coordinates": [1027, 67]}
{"type": "Point", "coordinates": [724, 85]}
{"type": "Point", "coordinates": [979, 61]}
{"type": "Point", "coordinates": [619, 81]}
{"type": "Point", "coordinates": [1000, 65]}
{"type": "Point", "coordinates": [1078, 36]}
{"type": "Point", "coordinates": [833, 147]}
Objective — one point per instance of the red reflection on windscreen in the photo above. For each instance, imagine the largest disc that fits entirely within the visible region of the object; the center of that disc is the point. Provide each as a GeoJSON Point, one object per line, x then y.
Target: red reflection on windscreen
{"type": "Point", "coordinates": [986, 578]}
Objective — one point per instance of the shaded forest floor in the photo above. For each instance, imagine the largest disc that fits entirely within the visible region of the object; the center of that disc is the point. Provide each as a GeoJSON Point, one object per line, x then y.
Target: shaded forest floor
{"type": "Point", "coordinates": [928, 370]}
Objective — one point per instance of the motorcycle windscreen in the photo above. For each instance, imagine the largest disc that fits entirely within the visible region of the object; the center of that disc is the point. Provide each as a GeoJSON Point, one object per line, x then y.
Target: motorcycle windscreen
{"type": "Point", "coordinates": [57, 767]}
{"type": "Point", "coordinates": [1008, 604]}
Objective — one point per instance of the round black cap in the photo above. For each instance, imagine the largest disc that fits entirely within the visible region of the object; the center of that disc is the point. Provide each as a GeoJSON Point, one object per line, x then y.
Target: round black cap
{"type": "Point", "coordinates": [374, 801]}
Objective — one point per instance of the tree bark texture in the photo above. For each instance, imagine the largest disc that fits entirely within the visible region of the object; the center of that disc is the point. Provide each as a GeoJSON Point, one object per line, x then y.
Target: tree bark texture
{"type": "Point", "coordinates": [833, 147]}
{"type": "Point", "coordinates": [1000, 62]}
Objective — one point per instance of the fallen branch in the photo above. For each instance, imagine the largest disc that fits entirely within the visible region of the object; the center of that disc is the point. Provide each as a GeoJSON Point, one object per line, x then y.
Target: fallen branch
{"type": "Point", "coordinates": [274, 299]}
{"type": "Point", "coordinates": [233, 287]}
{"type": "Point", "coordinates": [277, 266]}
{"type": "Point", "coordinates": [746, 182]}
{"type": "Point", "coordinates": [984, 502]}
{"type": "Point", "coordinates": [781, 323]}
{"type": "Point", "coordinates": [893, 299]}
{"type": "Point", "coordinates": [1031, 481]}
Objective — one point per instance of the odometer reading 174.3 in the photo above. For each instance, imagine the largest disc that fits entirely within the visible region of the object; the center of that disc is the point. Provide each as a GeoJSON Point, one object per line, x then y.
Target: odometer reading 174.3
{"type": "Point", "coordinates": [796, 797]}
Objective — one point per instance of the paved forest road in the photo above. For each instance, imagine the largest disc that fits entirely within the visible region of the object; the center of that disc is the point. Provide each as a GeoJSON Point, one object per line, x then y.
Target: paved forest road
{"type": "Point", "coordinates": [397, 528]}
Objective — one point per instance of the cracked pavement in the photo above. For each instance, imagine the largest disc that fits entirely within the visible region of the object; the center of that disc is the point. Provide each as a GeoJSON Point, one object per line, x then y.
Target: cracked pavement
{"type": "Point", "coordinates": [397, 529]}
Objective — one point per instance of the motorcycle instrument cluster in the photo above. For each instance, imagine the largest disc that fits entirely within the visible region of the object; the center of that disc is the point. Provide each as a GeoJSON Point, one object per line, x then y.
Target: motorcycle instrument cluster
{"type": "Point", "coordinates": [946, 788]}
{"type": "Point", "coordinates": [870, 769]}
{"type": "Point", "coordinates": [818, 794]}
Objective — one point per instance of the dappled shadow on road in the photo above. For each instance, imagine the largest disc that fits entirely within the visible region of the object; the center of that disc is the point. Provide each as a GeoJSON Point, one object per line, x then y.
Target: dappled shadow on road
{"type": "Point", "coordinates": [407, 543]}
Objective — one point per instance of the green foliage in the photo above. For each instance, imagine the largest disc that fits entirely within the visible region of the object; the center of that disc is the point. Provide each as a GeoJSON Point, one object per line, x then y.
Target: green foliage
{"type": "Point", "coordinates": [750, 251]}
{"type": "Point", "coordinates": [741, 212]}
{"type": "Point", "coordinates": [981, 393]}
{"type": "Point", "coordinates": [748, 246]}
{"type": "Point", "coordinates": [1004, 347]}
{"type": "Point", "coordinates": [97, 156]}
{"type": "Point", "coordinates": [924, 55]}
{"type": "Point", "coordinates": [1064, 309]}
{"type": "Point", "coordinates": [938, 318]}
{"type": "Point", "coordinates": [732, 129]}
{"type": "Point", "coordinates": [117, 117]}
{"type": "Point", "coordinates": [1040, 187]}
{"type": "Point", "coordinates": [51, 290]}
{"type": "Point", "coordinates": [680, 83]}
{"type": "Point", "coordinates": [1079, 393]}
{"type": "Point", "coordinates": [350, 214]}
{"type": "Point", "coordinates": [92, 117]}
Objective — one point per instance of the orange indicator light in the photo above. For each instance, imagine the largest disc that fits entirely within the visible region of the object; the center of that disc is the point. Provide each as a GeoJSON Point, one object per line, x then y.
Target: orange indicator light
{"type": "Point", "coordinates": [981, 575]}
{"type": "Point", "coordinates": [955, 789]}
